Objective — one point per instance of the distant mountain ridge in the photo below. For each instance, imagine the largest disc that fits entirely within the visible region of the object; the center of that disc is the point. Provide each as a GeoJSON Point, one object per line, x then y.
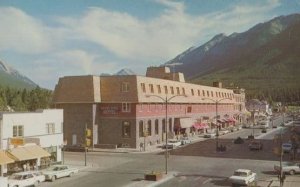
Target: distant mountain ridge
{"type": "Point", "coordinates": [266, 56]}
{"type": "Point", "coordinates": [11, 77]}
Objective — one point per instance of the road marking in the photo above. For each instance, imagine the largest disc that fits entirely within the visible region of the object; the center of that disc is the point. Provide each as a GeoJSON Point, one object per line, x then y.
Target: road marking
{"type": "Point", "coordinates": [181, 178]}
{"type": "Point", "coordinates": [198, 178]}
{"type": "Point", "coordinates": [206, 181]}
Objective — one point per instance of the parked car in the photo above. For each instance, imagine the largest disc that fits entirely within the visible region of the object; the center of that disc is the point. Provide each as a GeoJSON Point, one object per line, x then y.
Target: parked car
{"type": "Point", "coordinates": [264, 130]}
{"type": "Point", "coordinates": [288, 167]}
{"type": "Point", "coordinates": [255, 145]}
{"type": "Point", "coordinates": [286, 147]}
{"type": "Point", "coordinates": [27, 178]}
{"type": "Point", "coordinates": [172, 143]}
{"type": "Point", "coordinates": [209, 135]}
{"type": "Point", "coordinates": [222, 132]}
{"type": "Point", "coordinates": [242, 177]}
{"type": "Point", "coordinates": [59, 171]}
{"type": "Point", "coordinates": [185, 140]}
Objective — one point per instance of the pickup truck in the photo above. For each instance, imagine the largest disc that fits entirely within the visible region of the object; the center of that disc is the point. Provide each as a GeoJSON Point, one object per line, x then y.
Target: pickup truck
{"type": "Point", "coordinates": [288, 167]}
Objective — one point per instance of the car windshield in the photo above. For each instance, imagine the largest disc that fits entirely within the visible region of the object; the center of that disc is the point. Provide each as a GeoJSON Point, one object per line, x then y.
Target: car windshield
{"type": "Point", "coordinates": [16, 177]}
{"type": "Point", "coordinates": [239, 173]}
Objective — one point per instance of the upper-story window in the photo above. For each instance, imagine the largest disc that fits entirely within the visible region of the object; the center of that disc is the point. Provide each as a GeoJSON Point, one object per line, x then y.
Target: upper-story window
{"type": "Point", "coordinates": [50, 128]}
{"type": "Point", "coordinates": [207, 93]}
{"type": "Point", "coordinates": [125, 87]}
{"type": "Point", "coordinates": [166, 89]}
{"type": "Point", "coordinates": [192, 91]}
{"type": "Point", "coordinates": [198, 92]}
{"type": "Point", "coordinates": [217, 94]}
{"type": "Point", "coordinates": [126, 107]}
{"type": "Point", "coordinates": [178, 91]}
{"type": "Point", "coordinates": [151, 88]}
{"type": "Point", "coordinates": [203, 93]}
{"type": "Point", "coordinates": [189, 109]}
{"type": "Point", "coordinates": [172, 90]}
{"type": "Point", "coordinates": [222, 94]}
{"type": "Point", "coordinates": [212, 93]}
{"type": "Point", "coordinates": [183, 91]}
{"type": "Point", "coordinates": [143, 87]}
{"type": "Point", "coordinates": [158, 89]}
{"type": "Point", "coordinates": [18, 130]}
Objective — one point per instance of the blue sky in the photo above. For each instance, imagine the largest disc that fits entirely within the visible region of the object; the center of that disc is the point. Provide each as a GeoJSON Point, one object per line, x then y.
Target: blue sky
{"type": "Point", "coordinates": [48, 39]}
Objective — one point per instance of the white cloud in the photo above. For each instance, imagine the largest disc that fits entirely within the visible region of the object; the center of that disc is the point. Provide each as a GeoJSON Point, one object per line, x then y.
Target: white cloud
{"type": "Point", "coordinates": [22, 33]}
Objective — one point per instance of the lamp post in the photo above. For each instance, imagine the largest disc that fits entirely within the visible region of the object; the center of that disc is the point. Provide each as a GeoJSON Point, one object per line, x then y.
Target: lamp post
{"type": "Point", "coordinates": [217, 133]}
{"type": "Point", "coordinates": [166, 101]}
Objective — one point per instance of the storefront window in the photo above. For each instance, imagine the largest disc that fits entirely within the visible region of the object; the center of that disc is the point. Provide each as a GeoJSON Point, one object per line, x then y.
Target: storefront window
{"type": "Point", "coordinates": [149, 129]}
{"type": "Point", "coordinates": [126, 129]}
{"type": "Point", "coordinates": [156, 126]}
{"type": "Point", "coordinates": [18, 130]}
{"type": "Point", "coordinates": [141, 128]}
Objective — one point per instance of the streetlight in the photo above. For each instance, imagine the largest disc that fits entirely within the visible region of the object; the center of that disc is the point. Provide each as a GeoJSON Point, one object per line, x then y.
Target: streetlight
{"type": "Point", "coordinates": [217, 133]}
{"type": "Point", "coordinates": [166, 100]}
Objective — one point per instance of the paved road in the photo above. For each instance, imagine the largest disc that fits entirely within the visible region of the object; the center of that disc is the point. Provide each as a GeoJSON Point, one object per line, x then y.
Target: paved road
{"type": "Point", "coordinates": [192, 165]}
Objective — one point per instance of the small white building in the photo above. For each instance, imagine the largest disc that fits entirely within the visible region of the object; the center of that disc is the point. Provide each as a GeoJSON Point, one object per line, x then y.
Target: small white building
{"type": "Point", "coordinates": [35, 136]}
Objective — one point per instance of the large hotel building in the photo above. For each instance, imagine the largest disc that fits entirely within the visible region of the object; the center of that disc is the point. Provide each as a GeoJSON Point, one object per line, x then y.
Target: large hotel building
{"type": "Point", "coordinates": [127, 110]}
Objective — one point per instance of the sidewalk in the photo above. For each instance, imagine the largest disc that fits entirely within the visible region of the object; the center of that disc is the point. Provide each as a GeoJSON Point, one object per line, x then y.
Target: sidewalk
{"type": "Point", "coordinates": [290, 181]}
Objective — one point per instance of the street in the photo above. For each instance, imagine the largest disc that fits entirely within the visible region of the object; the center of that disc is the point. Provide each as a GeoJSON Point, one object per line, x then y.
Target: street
{"type": "Point", "coordinates": [194, 165]}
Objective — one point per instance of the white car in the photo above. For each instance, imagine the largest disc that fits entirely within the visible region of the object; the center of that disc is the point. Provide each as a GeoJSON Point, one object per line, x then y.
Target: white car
{"type": "Point", "coordinates": [242, 177]}
{"type": "Point", "coordinates": [172, 143]}
{"type": "Point", "coordinates": [222, 132]}
{"type": "Point", "coordinates": [288, 167]}
{"type": "Point", "coordinates": [59, 171]}
{"type": "Point", "coordinates": [185, 140]}
{"type": "Point", "coordinates": [27, 178]}
{"type": "Point", "coordinates": [209, 135]}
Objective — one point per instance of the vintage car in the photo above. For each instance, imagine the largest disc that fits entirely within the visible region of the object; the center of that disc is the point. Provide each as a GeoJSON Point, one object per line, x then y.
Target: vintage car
{"type": "Point", "coordinates": [172, 143]}
{"type": "Point", "coordinates": [59, 171]}
{"type": "Point", "coordinates": [255, 145]}
{"type": "Point", "coordinates": [288, 167]}
{"type": "Point", "coordinates": [27, 178]}
{"type": "Point", "coordinates": [209, 135]}
{"type": "Point", "coordinates": [185, 140]}
{"type": "Point", "coordinates": [242, 177]}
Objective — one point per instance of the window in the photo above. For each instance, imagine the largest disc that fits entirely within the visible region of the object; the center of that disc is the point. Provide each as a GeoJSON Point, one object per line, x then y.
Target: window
{"type": "Point", "coordinates": [125, 87]}
{"type": "Point", "coordinates": [212, 93]}
{"type": "Point", "coordinates": [207, 93]}
{"type": "Point", "coordinates": [158, 89]}
{"type": "Point", "coordinates": [172, 90]}
{"type": "Point", "coordinates": [149, 128]}
{"type": "Point", "coordinates": [183, 91]}
{"type": "Point", "coordinates": [126, 129]}
{"type": "Point", "coordinates": [143, 87]}
{"type": "Point", "coordinates": [151, 88]}
{"type": "Point", "coordinates": [126, 107]}
{"type": "Point", "coordinates": [189, 109]}
{"type": "Point", "coordinates": [156, 126]}
{"type": "Point", "coordinates": [170, 124]}
{"type": "Point", "coordinates": [178, 91]}
{"type": "Point", "coordinates": [50, 128]}
{"type": "Point", "coordinates": [18, 130]}
{"type": "Point", "coordinates": [192, 91]}
{"type": "Point", "coordinates": [198, 92]}
{"type": "Point", "coordinates": [141, 128]}
{"type": "Point", "coordinates": [203, 93]}
{"type": "Point", "coordinates": [166, 89]}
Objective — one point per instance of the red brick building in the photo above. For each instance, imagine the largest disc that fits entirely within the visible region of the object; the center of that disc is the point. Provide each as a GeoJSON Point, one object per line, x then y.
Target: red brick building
{"type": "Point", "coordinates": [120, 109]}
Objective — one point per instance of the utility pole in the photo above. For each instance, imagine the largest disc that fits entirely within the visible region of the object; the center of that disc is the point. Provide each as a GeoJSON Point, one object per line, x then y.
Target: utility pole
{"type": "Point", "coordinates": [281, 154]}
{"type": "Point", "coordinates": [85, 144]}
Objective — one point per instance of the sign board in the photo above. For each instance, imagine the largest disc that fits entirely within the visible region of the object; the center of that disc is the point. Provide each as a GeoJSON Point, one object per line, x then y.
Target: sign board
{"type": "Point", "coordinates": [17, 141]}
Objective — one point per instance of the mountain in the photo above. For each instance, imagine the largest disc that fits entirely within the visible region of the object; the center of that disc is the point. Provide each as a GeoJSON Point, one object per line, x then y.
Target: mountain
{"type": "Point", "coordinates": [125, 72]}
{"type": "Point", "coordinates": [12, 78]}
{"type": "Point", "coordinates": [267, 56]}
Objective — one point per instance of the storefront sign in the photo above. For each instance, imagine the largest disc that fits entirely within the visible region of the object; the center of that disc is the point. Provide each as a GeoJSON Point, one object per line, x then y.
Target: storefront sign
{"type": "Point", "coordinates": [110, 110]}
{"type": "Point", "coordinates": [17, 141]}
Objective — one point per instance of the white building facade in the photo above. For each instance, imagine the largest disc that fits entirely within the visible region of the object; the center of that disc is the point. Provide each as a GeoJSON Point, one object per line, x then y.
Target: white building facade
{"type": "Point", "coordinates": [35, 131]}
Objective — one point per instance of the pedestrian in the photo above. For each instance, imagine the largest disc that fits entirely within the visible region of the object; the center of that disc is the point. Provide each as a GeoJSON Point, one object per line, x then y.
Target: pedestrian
{"type": "Point", "coordinates": [141, 146]}
{"type": "Point", "coordinates": [24, 167]}
{"type": "Point", "coordinates": [28, 166]}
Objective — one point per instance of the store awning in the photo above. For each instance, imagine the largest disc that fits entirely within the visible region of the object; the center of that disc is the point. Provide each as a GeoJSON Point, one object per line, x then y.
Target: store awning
{"type": "Point", "coordinates": [4, 159]}
{"type": "Point", "coordinates": [37, 151]}
{"type": "Point", "coordinates": [28, 153]}
{"type": "Point", "coordinates": [200, 125]}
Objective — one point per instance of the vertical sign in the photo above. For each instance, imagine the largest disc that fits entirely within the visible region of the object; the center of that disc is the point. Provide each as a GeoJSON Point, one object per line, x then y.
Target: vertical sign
{"type": "Point", "coordinates": [95, 126]}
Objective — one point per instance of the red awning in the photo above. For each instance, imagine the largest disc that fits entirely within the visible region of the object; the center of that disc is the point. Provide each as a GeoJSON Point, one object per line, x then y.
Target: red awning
{"type": "Point", "coordinates": [232, 120]}
{"type": "Point", "coordinates": [200, 125]}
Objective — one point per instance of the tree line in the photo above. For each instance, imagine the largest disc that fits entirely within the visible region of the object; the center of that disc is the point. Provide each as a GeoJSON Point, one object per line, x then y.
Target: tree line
{"type": "Point", "coordinates": [12, 99]}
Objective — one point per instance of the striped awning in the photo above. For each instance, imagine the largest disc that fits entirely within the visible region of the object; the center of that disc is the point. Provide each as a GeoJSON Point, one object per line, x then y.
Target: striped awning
{"type": "Point", "coordinates": [4, 158]}
{"type": "Point", "coordinates": [28, 153]}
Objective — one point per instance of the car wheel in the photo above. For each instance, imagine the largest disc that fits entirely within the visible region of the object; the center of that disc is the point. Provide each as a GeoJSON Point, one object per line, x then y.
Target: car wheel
{"type": "Point", "coordinates": [292, 172]}
{"type": "Point", "coordinates": [36, 183]}
{"type": "Point", "coordinates": [71, 174]}
{"type": "Point", "coordinates": [53, 178]}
